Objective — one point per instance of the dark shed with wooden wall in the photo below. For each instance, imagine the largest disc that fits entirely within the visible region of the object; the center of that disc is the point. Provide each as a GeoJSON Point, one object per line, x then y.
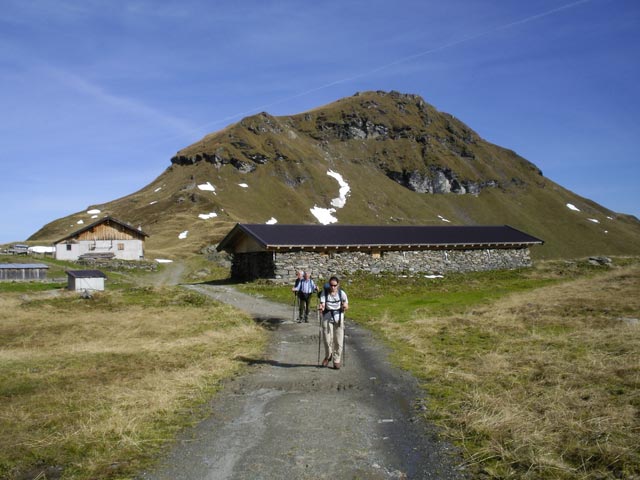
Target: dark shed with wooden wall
{"type": "Point", "coordinates": [23, 271]}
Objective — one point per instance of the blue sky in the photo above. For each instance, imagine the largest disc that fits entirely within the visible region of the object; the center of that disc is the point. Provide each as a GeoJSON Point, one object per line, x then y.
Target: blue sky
{"type": "Point", "coordinates": [98, 95]}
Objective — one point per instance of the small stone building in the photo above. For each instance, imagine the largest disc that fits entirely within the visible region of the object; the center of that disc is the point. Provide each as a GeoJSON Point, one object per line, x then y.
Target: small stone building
{"type": "Point", "coordinates": [23, 271]}
{"type": "Point", "coordinates": [278, 251]}
{"type": "Point", "coordinates": [104, 239]}
{"type": "Point", "coordinates": [79, 280]}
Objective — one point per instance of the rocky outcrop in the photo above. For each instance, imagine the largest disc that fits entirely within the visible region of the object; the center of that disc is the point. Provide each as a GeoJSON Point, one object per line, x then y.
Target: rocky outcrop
{"type": "Point", "coordinates": [219, 161]}
{"type": "Point", "coordinates": [261, 124]}
{"type": "Point", "coordinates": [438, 180]}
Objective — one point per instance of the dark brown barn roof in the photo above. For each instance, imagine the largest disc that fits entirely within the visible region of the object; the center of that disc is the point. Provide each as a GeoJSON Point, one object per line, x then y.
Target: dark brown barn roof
{"type": "Point", "coordinates": [86, 274]}
{"type": "Point", "coordinates": [98, 222]}
{"type": "Point", "coordinates": [323, 237]}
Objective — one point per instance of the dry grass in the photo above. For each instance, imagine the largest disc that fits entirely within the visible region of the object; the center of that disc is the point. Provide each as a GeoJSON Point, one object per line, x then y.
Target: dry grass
{"type": "Point", "coordinates": [541, 384]}
{"type": "Point", "coordinates": [94, 387]}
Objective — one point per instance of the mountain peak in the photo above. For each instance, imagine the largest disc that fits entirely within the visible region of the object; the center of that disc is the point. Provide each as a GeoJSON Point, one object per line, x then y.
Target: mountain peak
{"type": "Point", "coordinates": [372, 158]}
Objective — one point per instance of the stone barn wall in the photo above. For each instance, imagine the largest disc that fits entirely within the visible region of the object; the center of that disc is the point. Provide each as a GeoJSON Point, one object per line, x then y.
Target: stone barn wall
{"type": "Point", "coordinates": [282, 266]}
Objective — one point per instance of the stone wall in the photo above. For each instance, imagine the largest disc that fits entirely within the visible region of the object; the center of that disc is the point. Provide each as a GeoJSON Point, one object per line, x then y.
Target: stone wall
{"type": "Point", "coordinates": [283, 265]}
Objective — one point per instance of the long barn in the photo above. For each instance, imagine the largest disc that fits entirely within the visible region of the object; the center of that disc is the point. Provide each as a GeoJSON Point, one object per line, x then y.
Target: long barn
{"type": "Point", "coordinates": [278, 251]}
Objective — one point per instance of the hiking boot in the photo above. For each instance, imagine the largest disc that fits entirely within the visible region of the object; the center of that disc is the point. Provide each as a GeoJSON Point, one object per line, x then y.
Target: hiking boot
{"type": "Point", "coordinates": [325, 362]}
{"type": "Point", "coordinates": [336, 365]}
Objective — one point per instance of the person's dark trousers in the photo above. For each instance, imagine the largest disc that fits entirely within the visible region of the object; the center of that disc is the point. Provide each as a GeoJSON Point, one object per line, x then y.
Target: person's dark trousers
{"type": "Point", "coordinates": [305, 298]}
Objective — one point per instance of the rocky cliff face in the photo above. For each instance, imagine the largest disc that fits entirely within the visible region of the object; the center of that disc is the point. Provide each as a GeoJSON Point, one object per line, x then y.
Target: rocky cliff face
{"type": "Point", "coordinates": [409, 140]}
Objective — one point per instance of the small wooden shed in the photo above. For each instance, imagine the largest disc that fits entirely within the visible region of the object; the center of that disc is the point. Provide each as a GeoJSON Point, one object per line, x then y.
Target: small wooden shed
{"type": "Point", "coordinates": [23, 271]}
{"type": "Point", "coordinates": [79, 280]}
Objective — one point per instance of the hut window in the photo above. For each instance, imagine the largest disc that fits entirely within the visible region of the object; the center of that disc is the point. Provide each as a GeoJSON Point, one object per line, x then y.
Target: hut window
{"type": "Point", "coordinates": [68, 247]}
{"type": "Point", "coordinates": [376, 254]}
{"type": "Point", "coordinates": [121, 246]}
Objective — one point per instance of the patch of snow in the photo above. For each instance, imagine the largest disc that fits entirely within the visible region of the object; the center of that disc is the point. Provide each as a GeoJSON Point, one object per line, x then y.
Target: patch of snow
{"type": "Point", "coordinates": [157, 190]}
{"type": "Point", "coordinates": [571, 206]}
{"type": "Point", "coordinates": [324, 215]}
{"type": "Point", "coordinates": [94, 216]}
{"type": "Point", "coordinates": [207, 187]}
{"type": "Point", "coordinates": [610, 218]}
{"type": "Point", "coordinates": [606, 231]}
{"type": "Point", "coordinates": [271, 221]}
{"type": "Point", "coordinates": [207, 216]}
{"type": "Point", "coordinates": [80, 222]}
{"type": "Point", "coordinates": [341, 200]}
{"type": "Point", "coordinates": [42, 249]}
{"type": "Point", "coordinates": [243, 185]}
{"type": "Point", "coordinates": [434, 276]}
{"type": "Point", "coordinates": [593, 220]}
{"type": "Point", "coordinates": [163, 260]}
{"type": "Point", "coordinates": [153, 203]}
{"type": "Point", "coordinates": [444, 219]}
{"type": "Point", "coordinates": [183, 235]}
{"type": "Point", "coordinates": [94, 211]}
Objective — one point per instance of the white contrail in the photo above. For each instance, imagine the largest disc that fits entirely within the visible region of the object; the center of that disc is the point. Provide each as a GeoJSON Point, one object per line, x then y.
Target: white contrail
{"type": "Point", "coordinates": [400, 61]}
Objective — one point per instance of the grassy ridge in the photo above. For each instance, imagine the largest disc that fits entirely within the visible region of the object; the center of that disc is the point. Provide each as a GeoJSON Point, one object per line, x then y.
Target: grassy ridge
{"type": "Point", "coordinates": [93, 388]}
{"type": "Point", "coordinates": [533, 373]}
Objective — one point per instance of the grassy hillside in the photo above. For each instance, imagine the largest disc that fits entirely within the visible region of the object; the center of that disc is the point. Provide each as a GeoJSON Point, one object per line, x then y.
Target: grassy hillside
{"type": "Point", "coordinates": [405, 163]}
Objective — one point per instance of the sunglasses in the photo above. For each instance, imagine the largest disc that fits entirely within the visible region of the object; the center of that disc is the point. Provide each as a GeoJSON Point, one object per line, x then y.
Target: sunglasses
{"type": "Point", "coordinates": [333, 284]}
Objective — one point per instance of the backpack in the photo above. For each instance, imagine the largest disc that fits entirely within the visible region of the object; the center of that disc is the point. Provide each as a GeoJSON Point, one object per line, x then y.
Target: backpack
{"type": "Point", "coordinates": [326, 289]}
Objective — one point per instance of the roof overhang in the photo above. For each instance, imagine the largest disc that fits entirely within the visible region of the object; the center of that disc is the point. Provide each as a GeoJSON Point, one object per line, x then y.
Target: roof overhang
{"type": "Point", "coordinates": [99, 222]}
{"type": "Point", "coordinates": [244, 238]}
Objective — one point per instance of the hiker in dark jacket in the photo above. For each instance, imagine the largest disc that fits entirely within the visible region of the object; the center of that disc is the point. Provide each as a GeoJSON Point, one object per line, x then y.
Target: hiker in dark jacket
{"type": "Point", "coordinates": [305, 288]}
{"type": "Point", "coordinates": [333, 304]}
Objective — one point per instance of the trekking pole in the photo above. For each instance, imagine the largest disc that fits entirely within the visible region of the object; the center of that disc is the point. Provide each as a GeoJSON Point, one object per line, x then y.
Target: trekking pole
{"type": "Point", "coordinates": [295, 298]}
{"type": "Point", "coordinates": [319, 333]}
{"type": "Point", "coordinates": [344, 339]}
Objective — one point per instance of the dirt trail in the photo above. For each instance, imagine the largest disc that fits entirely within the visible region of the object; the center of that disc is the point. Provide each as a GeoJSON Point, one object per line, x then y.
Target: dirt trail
{"type": "Point", "coordinates": [170, 274]}
{"type": "Point", "coordinates": [289, 418]}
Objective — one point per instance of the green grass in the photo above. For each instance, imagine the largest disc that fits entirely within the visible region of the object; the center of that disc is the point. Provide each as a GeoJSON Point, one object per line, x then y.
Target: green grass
{"type": "Point", "coordinates": [94, 388]}
{"type": "Point", "coordinates": [404, 297]}
{"type": "Point", "coordinates": [531, 373]}
{"type": "Point", "coordinates": [24, 287]}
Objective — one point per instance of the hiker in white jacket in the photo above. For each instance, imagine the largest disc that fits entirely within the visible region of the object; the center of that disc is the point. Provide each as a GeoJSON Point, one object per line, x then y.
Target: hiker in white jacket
{"type": "Point", "coordinates": [333, 304]}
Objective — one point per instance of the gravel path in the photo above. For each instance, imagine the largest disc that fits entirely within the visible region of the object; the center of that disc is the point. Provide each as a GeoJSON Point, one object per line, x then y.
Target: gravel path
{"type": "Point", "coordinates": [289, 418]}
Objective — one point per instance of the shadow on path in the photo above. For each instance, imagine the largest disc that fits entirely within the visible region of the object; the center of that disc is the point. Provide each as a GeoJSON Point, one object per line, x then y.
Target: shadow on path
{"type": "Point", "coordinates": [275, 363]}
